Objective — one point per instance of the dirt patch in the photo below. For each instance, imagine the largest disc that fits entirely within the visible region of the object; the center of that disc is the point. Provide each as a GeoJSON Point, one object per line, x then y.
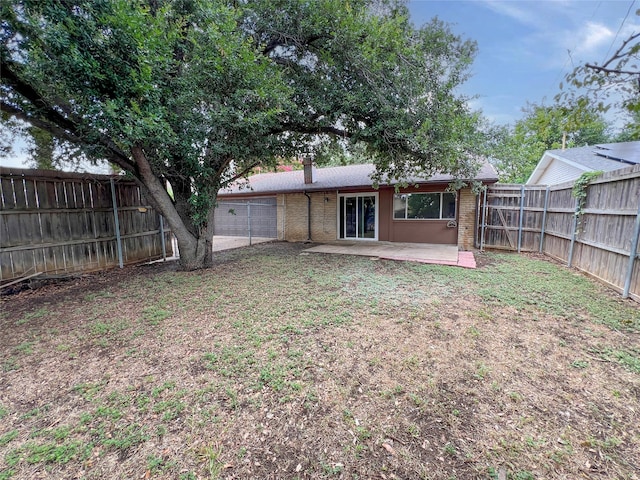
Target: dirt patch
{"type": "Point", "coordinates": [274, 364]}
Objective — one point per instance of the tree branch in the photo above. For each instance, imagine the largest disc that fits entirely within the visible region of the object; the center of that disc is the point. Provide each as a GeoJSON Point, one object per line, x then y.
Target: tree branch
{"type": "Point", "coordinates": [13, 80]}
{"type": "Point", "coordinates": [318, 129]}
{"type": "Point", "coordinates": [116, 155]}
{"type": "Point", "coordinates": [288, 41]}
{"type": "Point", "coordinates": [40, 123]}
{"type": "Point", "coordinates": [150, 182]}
{"type": "Point", "coordinates": [241, 174]}
{"type": "Point", "coordinates": [598, 68]}
{"type": "Point", "coordinates": [617, 55]}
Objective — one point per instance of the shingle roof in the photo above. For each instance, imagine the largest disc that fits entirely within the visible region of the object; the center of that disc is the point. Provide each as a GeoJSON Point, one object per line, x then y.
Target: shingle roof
{"type": "Point", "coordinates": [605, 157]}
{"type": "Point", "coordinates": [332, 178]}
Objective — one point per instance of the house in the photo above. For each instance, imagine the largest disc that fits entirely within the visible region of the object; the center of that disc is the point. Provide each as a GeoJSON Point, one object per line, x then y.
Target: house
{"type": "Point", "coordinates": [560, 166]}
{"type": "Point", "coordinates": [340, 203]}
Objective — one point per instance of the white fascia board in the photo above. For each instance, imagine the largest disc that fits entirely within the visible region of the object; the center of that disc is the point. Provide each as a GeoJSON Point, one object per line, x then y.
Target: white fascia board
{"type": "Point", "coordinates": [540, 168]}
{"type": "Point", "coordinates": [577, 165]}
{"type": "Point", "coordinates": [546, 160]}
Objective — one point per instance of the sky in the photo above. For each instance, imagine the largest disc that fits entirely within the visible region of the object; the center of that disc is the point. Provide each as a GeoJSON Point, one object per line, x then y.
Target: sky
{"type": "Point", "coordinates": [525, 48]}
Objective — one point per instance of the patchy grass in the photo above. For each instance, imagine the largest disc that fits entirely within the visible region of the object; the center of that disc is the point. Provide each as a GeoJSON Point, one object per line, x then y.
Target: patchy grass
{"type": "Point", "coordinates": [279, 365]}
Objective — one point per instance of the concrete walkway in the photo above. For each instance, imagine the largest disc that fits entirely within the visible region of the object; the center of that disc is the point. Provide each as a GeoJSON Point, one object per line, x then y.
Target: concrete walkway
{"type": "Point", "coordinates": [413, 252]}
{"type": "Point", "coordinates": [221, 243]}
{"type": "Point", "coordinates": [227, 243]}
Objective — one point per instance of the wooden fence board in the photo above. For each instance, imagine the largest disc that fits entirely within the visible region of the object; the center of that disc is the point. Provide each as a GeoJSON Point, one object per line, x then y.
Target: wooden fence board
{"type": "Point", "coordinates": [57, 223]}
{"type": "Point", "coordinates": [604, 236]}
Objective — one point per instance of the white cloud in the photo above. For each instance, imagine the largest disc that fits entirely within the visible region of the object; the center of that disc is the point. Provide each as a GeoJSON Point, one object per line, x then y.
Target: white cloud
{"type": "Point", "coordinates": [557, 33]}
{"type": "Point", "coordinates": [591, 41]}
{"type": "Point", "coordinates": [498, 109]}
{"type": "Point", "coordinates": [630, 27]}
{"type": "Point", "coordinates": [574, 45]}
{"type": "Point", "coordinates": [591, 38]}
{"type": "Point", "coordinates": [539, 15]}
{"type": "Point", "coordinates": [514, 10]}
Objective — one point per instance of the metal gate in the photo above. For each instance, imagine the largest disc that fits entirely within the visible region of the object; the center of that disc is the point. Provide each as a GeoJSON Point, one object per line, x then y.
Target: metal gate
{"type": "Point", "coordinates": [256, 217]}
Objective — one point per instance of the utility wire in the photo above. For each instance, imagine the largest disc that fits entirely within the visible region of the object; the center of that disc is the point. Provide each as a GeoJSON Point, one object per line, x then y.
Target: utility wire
{"type": "Point", "coordinates": [618, 32]}
{"type": "Point", "coordinates": [561, 74]}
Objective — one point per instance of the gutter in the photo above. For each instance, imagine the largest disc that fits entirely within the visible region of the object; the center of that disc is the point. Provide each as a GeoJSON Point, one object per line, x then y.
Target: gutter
{"type": "Point", "coordinates": [308, 216]}
{"type": "Point", "coordinates": [325, 188]}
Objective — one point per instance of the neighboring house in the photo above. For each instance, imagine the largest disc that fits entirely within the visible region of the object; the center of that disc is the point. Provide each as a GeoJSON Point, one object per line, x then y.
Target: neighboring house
{"type": "Point", "coordinates": [340, 203]}
{"type": "Point", "coordinates": [560, 166]}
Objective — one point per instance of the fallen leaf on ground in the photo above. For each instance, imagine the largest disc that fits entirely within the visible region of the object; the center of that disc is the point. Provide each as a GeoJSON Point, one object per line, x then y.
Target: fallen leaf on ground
{"type": "Point", "coordinates": [389, 448]}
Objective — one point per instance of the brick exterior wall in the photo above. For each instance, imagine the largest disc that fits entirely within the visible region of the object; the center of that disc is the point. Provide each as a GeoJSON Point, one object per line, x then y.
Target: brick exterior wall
{"type": "Point", "coordinates": [466, 219]}
{"type": "Point", "coordinates": [293, 219]}
{"type": "Point", "coordinates": [293, 211]}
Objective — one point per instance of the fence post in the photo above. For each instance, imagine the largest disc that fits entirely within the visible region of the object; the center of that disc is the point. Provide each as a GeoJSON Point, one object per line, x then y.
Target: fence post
{"type": "Point", "coordinates": [484, 219]}
{"type": "Point", "coordinates": [162, 240]}
{"type": "Point", "coordinates": [249, 219]}
{"type": "Point", "coordinates": [521, 217]}
{"type": "Point", "coordinates": [544, 218]}
{"type": "Point", "coordinates": [574, 232]}
{"type": "Point", "coordinates": [632, 256]}
{"type": "Point", "coordinates": [117, 222]}
{"type": "Point", "coordinates": [476, 226]}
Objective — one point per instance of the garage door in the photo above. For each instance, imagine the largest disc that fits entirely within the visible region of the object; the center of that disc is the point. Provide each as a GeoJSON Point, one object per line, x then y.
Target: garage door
{"type": "Point", "coordinates": [256, 217]}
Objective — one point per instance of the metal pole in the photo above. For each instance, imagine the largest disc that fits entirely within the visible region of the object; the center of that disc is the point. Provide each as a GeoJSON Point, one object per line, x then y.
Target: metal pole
{"type": "Point", "coordinates": [574, 233]}
{"type": "Point", "coordinates": [162, 240]}
{"type": "Point", "coordinates": [521, 217]}
{"type": "Point", "coordinates": [632, 256]}
{"type": "Point", "coordinates": [117, 223]}
{"type": "Point", "coordinates": [249, 219]}
{"type": "Point", "coordinates": [544, 218]}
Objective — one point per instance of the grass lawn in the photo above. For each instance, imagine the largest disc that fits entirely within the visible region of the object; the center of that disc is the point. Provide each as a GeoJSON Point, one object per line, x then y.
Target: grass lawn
{"type": "Point", "coordinates": [277, 364]}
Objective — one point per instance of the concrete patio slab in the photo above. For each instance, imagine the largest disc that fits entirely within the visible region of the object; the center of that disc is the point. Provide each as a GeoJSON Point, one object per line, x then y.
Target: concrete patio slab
{"type": "Point", "coordinates": [227, 242]}
{"type": "Point", "coordinates": [414, 252]}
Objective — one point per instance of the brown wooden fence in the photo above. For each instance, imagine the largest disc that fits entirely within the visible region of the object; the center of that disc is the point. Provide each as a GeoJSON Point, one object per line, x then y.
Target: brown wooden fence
{"type": "Point", "coordinates": [55, 223]}
{"type": "Point", "coordinates": [602, 240]}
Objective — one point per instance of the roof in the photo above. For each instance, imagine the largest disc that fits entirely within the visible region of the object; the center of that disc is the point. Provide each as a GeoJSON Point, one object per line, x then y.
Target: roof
{"type": "Point", "coordinates": [606, 157]}
{"type": "Point", "coordinates": [333, 178]}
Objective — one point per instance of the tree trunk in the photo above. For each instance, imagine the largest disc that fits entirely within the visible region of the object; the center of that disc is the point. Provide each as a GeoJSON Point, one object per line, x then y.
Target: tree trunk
{"type": "Point", "coordinates": [197, 254]}
{"type": "Point", "coordinates": [196, 247]}
{"type": "Point", "coordinates": [196, 250]}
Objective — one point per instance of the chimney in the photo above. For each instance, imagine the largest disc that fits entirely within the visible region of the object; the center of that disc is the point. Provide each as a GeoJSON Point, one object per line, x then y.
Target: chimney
{"type": "Point", "coordinates": [308, 171]}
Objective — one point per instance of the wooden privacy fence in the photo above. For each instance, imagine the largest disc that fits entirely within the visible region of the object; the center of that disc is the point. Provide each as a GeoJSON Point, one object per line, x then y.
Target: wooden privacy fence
{"type": "Point", "coordinates": [601, 238]}
{"type": "Point", "coordinates": [56, 223]}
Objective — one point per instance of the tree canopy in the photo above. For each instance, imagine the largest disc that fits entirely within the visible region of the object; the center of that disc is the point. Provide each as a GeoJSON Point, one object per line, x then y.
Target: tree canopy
{"type": "Point", "coordinates": [518, 148]}
{"type": "Point", "coordinates": [195, 93]}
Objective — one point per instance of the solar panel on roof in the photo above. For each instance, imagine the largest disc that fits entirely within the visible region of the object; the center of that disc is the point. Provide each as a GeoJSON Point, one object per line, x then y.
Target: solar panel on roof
{"type": "Point", "coordinates": [626, 152]}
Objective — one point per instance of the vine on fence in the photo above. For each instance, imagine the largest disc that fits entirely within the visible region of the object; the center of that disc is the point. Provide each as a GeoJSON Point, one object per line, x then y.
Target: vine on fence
{"type": "Point", "coordinates": [579, 192]}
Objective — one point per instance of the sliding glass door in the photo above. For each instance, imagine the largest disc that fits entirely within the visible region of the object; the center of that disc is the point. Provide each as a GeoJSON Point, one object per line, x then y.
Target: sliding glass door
{"type": "Point", "coordinates": [358, 216]}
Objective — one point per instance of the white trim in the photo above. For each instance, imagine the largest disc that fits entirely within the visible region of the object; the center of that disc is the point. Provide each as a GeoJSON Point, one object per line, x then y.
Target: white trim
{"type": "Point", "coordinates": [376, 210]}
{"type": "Point", "coordinates": [572, 163]}
{"type": "Point", "coordinates": [545, 162]}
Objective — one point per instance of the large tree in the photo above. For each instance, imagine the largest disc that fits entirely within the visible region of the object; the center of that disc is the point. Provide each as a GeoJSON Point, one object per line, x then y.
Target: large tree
{"type": "Point", "coordinates": [195, 93]}
{"type": "Point", "coordinates": [518, 148]}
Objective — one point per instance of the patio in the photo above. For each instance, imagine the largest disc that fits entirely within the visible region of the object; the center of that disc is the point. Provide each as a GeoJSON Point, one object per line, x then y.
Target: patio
{"type": "Point", "coordinates": [413, 252]}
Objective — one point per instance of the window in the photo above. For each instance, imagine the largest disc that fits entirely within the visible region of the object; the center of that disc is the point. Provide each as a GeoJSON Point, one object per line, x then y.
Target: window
{"type": "Point", "coordinates": [420, 206]}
